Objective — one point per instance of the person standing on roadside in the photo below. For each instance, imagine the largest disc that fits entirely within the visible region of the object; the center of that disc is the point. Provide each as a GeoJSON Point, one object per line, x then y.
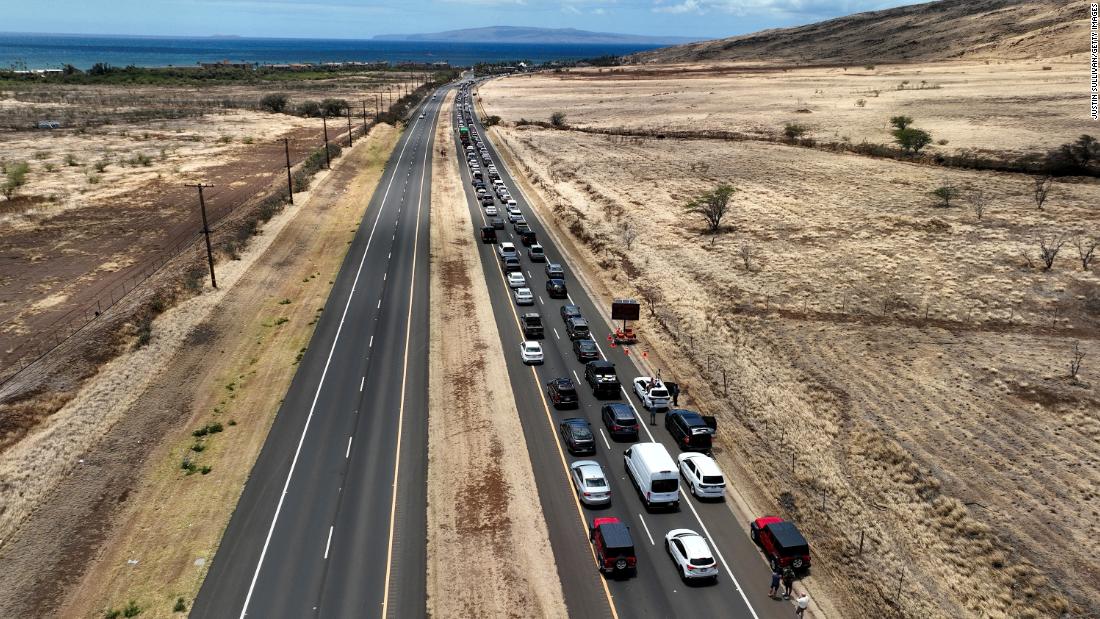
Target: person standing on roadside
{"type": "Point", "coordinates": [801, 604]}
{"type": "Point", "coordinates": [788, 583]}
{"type": "Point", "coordinates": [774, 590]}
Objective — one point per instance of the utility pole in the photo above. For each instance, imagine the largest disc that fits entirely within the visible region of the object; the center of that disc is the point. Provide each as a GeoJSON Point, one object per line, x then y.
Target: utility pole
{"type": "Point", "coordinates": [378, 105]}
{"type": "Point", "coordinates": [364, 117]}
{"type": "Point", "coordinates": [206, 231]}
{"type": "Point", "coordinates": [289, 182]}
{"type": "Point", "coordinates": [389, 92]}
{"type": "Point", "coordinates": [324, 124]}
{"type": "Point", "coordinates": [349, 125]}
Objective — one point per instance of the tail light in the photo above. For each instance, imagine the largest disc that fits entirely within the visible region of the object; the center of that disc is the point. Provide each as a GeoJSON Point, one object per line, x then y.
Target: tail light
{"type": "Point", "coordinates": [587, 494]}
{"type": "Point", "coordinates": [686, 440]}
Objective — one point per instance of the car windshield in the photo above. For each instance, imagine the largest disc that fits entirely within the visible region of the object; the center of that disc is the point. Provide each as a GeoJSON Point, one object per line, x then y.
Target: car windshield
{"type": "Point", "coordinates": [624, 420]}
{"type": "Point", "coordinates": [658, 393]}
{"type": "Point", "coordinates": [665, 485]}
{"type": "Point", "coordinates": [713, 479]}
{"type": "Point", "coordinates": [595, 482]}
{"type": "Point", "coordinates": [702, 561]}
{"type": "Point", "coordinates": [582, 433]}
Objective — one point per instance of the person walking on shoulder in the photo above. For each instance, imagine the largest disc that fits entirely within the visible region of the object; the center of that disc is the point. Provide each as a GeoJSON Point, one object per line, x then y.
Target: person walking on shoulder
{"type": "Point", "coordinates": [776, 576]}
{"type": "Point", "coordinates": [801, 604]}
{"type": "Point", "coordinates": [788, 583]}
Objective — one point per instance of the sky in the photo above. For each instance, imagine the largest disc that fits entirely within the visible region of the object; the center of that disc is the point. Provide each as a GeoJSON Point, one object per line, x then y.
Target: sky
{"type": "Point", "coordinates": [356, 19]}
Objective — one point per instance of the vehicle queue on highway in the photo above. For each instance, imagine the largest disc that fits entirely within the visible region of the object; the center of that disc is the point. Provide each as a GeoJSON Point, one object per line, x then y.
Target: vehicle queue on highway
{"type": "Point", "coordinates": [652, 471]}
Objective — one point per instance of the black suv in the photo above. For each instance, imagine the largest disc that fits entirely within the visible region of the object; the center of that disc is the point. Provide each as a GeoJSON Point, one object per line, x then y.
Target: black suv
{"type": "Point", "coordinates": [620, 421]}
{"type": "Point", "coordinates": [570, 311]}
{"type": "Point", "coordinates": [600, 375]}
{"type": "Point", "coordinates": [577, 436]}
{"type": "Point", "coordinates": [585, 350]}
{"type": "Point", "coordinates": [532, 326]}
{"type": "Point", "coordinates": [562, 393]}
{"type": "Point", "coordinates": [556, 289]}
{"type": "Point", "coordinates": [690, 430]}
{"type": "Point", "coordinates": [577, 328]}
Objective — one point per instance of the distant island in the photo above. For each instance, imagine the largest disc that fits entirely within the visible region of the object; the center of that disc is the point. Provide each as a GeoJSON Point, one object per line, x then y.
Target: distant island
{"type": "Point", "coordinates": [514, 34]}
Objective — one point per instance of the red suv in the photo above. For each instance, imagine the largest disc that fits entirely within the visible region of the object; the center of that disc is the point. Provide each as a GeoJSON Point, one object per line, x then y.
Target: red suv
{"type": "Point", "coordinates": [781, 542]}
{"type": "Point", "coordinates": [614, 546]}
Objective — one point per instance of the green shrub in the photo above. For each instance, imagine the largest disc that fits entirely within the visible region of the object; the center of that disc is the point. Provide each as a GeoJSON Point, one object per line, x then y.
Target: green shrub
{"type": "Point", "coordinates": [794, 131]}
{"type": "Point", "coordinates": [15, 177]}
{"type": "Point", "coordinates": [274, 102]}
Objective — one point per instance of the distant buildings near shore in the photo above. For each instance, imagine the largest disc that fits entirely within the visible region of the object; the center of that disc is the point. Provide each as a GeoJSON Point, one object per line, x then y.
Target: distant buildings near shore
{"type": "Point", "coordinates": [296, 66]}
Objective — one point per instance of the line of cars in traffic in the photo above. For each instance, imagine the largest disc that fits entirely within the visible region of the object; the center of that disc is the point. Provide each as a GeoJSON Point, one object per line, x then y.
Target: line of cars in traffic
{"type": "Point", "coordinates": [654, 474]}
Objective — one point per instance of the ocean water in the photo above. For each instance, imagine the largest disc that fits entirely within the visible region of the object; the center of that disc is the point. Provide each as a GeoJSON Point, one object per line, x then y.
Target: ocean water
{"type": "Point", "coordinates": [47, 51]}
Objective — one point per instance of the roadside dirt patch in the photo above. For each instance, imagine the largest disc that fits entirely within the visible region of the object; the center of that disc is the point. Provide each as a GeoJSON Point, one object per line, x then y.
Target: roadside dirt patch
{"type": "Point", "coordinates": [483, 515]}
{"type": "Point", "coordinates": [144, 528]}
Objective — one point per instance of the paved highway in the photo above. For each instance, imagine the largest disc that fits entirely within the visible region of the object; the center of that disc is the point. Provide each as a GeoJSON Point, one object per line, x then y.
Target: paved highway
{"type": "Point", "coordinates": [332, 520]}
{"type": "Point", "coordinates": [656, 591]}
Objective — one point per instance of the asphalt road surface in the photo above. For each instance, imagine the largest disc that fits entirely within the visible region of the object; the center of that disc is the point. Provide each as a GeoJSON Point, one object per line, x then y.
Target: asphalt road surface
{"type": "Point", "coordinates": [332, 520]}
{"type": "Point", "coordinates": [656, 590]}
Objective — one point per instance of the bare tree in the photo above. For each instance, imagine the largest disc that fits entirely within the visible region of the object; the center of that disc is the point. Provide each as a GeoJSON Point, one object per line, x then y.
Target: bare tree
{"type": "Point", "coordinates": [712, 206]}
{"type": "Point", "coordinates": [628, 233]}
{"type": "Point", "coordinates": [746, 252]}
{"type": "Point", "coordinates": [1075, 362]}
{"type": "Point", "coordinates": [1086, 249]}
{"type": "Point", "coordinates": [1048, 250]}
{"type": "Point", "coordinates": [652, 297]}
{"type": "Point", "coordinates": [979, 202]}
{"type": "Point", "coordinates": [1025, 253]}
{"type": "Point", "coordinates": [1042, 190]}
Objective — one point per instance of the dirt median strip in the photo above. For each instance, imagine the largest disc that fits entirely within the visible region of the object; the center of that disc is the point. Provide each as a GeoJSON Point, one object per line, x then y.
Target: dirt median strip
{"type": "Point", "coordinates": [224, 359]}
{"type": "Point", "coordinates": [483, 507]}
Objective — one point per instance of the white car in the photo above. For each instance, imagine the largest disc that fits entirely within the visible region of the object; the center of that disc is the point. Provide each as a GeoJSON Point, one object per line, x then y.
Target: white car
{"type": "Point", "coordinates": [691, 554]}
{"type": "Point", "coordinates": [516, 280]}
{"type": "Point", "coordinates": [524, 297]}
{"type": "Point", "coordinates": [490, 210]}
{"type": "Point", "coordinates": [531, 352]}
{"type": "Point", "coordinates": [703, 477]}
{"type": "Point", "coordinates": [652, 392]}
{"type": "Point", "coordinates": [422, 114]}
{"type": "Point", "coordinates": [590, 482]}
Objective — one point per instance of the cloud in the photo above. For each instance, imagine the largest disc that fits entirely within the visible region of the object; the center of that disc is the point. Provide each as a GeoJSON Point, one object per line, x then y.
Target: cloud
{"type": "Point", "coordinates": [807, 9]}
{"type": "Point", "coordinates": [687, 6]}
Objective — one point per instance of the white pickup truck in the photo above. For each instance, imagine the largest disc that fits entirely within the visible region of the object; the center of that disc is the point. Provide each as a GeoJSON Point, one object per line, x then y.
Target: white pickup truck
{"type": "Point", "coordinates": [652, 392]}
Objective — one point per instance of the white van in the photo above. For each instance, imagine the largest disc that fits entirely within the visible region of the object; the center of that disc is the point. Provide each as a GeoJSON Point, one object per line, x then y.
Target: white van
{"type": "Point", "coordinates": [654, 474]}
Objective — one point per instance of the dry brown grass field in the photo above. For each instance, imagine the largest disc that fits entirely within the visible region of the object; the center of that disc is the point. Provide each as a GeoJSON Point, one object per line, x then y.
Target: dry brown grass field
{"type": "Point", "coordinates": [105, 199]}
{"type": "Point", "coordinates": [904, 365]}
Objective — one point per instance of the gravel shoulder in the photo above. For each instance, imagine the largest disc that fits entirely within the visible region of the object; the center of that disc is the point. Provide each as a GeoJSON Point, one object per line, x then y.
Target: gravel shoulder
{"type": "Point", "coordinates": [489, 550]}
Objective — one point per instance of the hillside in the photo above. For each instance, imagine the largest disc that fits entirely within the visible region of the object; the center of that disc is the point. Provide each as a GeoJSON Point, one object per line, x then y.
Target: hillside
{"type": "Point", "coordinates": [951, 29]}
{"type": "Point", "coordinates": [515, 34]}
